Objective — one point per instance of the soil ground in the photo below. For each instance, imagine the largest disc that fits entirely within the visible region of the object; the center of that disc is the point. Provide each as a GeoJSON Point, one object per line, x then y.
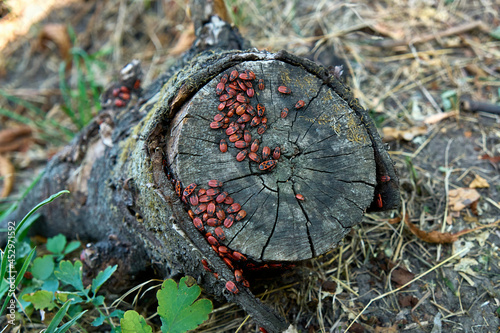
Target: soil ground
{"type": "Point", "coordinates": [412, 64]}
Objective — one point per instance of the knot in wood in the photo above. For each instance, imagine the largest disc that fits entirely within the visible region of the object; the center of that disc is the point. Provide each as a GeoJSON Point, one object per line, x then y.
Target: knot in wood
{"type": "Point", "coordinates": [316, 188]}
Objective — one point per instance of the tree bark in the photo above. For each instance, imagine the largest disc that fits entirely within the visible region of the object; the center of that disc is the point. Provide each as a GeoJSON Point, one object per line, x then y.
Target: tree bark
{"type": "Point", "coordinates": [123, 200]}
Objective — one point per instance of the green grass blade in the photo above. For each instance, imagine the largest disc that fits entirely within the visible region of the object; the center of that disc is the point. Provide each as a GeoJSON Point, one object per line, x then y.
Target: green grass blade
{"type": "Point", "coordinates": [66, 94]}
{"type": "Point", "coordinates": [58, 318]}
{"type": "Point", "coordinates": [41, 204]}
{"type": "Point", "coordinates": [70, 323]}
{"type": "Point", "coordinates": [19, 276]}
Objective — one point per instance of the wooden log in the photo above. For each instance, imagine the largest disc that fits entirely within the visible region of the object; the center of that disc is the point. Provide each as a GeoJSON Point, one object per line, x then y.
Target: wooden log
{"type": "Point", "coordinates": [331, 154]}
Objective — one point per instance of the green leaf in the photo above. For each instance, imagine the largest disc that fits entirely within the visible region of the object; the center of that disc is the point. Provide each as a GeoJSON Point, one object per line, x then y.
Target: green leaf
{"type": "Point", "coordinates": [43, 267]}
{"type": "Point", "coordinates": [132, 322]}
{"type": "Point", "coordinates": [98, 321]}
{"type": "Point", "coordinates": [64, 297]}
{"type": "Point", "coordinates": [41, 299]}
{"type": "Point", "coordinates": [98, 301]}
{"type": "Point", "coordinates": [70, 274]}
{"type": "Point", "coordinates": [102, 277]}
{"type": "Point", "coordinates": [72, 246]}
{"type": "Point", "coordinates": [176, 308]}
{"type": "Point", "coordinates": [496, 33]}
{"type": "Point", "coordinates": [117, 314]}
{"type": "Point", "coordinates": [56, 244]}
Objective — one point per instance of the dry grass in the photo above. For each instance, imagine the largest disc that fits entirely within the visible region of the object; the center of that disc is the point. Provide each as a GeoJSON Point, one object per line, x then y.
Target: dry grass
{"type": "Point", "coordinates": [402, 56]}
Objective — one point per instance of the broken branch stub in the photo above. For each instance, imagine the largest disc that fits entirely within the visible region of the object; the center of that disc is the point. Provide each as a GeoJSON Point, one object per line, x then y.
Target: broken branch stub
{"type": "Point", "coordinates": [332, 166]}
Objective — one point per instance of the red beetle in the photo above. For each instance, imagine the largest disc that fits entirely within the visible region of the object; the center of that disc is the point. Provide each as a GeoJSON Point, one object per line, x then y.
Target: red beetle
{"type": "Point", "coordinates": [238, 256]}
{"type": "Point", "coordinates": [233, 208]}
{"type": "Point", "coordinates": [266, 151]}
{"type": "Point", "coordinates": [201, 192]}
{"type": "Point", "coordinates": [189, 189]}
{"type": "Point", "coordinates": [262, 129]}
{"type": "Point", "coordinates": [220, 88]}
{"type": "Point", "coordinates": [255, 146]}
{"type": "Point", "coordinates": [178, 188]}
{"type": "Point", "coordinates": [224, 97]}
{"type": "Point", "coordinates": [224, 78]}
{"type": "Point", "coordinates": [228, 222]}
{"type": "Point", "coordinates": [241, 85]}
{"type": "Point", "coordinates": [277, 153]}
{"type": "Point", "coordinates": [212, 241]}
{"type": "Point", "coordinates": [250, 110]}
{"type": "Point", "coordinates": [300, 104]}
{"type": "Point", "coordinates": [241, 215]}
{"type": "Point", "coordinates": [191, 214]}
{"type": "Point", "coordinates": [211, 209]}
{"type": "Point", "coordinates": [254, 157]}
{"type": "Point", "coordinates": [246, 76]}
{"type": "Point", "coordinates": [264, 120]}
{"type": "Point", "coordinates": [220, 214]}
{"type": "Point", "coordinates": [300, 197]}
{"type": "Point", "coordinates": [221, 197]}
{"type": "Point", "coordinates": [124, 96]}
{"type": "Point", "coordinates": [119, 103]}
{"type": "Point", "coordinates": [198, 224]}
{"type": "Point", "coordinates": [235, 137]}
{"type": "Point", "coordinates": [205, 198]}
{"type": "Point", "coordinates": [231, 129]}
{"type": "Point", "coordinates": [212, 222]}
{"type": "Point", "coordinates": [216, 124]}
{"type": "Point", "coordinates": [215, 183]}
{"type": "Point", "coordinates": [250, 92]}
{"type": "Point", "coordinates": [255, 121]}
{"type": "Point", "coordinates": [385, 178]}
{"type": "Point", "coordinates": [221, 106]}
{"type": "Point", "coordinates": [234, 75]}
{"type": "Point", "coordinates": [232, 287]}
{"type": "Point", "coordinates": [200, 209]}
{"type": "Point", "coordinates": [260, 110]}
{"type": "Point", "coordinates": [223, 249]}
{"type": "Point", "coordinates": [284, 113]}
{"type": "Point", "coordinates": [213, 191]}
{"type": "Point", "coordinates": [284, 90]}
{"type": "Point", "coordinates": [244, 118]}
{"type": "Point", "coordinates": [219, 117]}
{"type": "Point", "coordinates": [241, 144]}
{"type": "Point", "coordinates": [232, 92]}
{"type": "Point", "coordinates": [261, 84]}
{"type": "Point", "coordinates": [228, 201]}
{"type": "Point", "coordinates": [228, 262]}
{"type": "Point", "coordinates": [242, 98]}
{"type": "Point", "coordinates": [223, 145]}
{"type": "Point", "coordinates": [380, 203]}
{"type": "Point", "coordinates": [245, 283]}
{"type": "Point", "coordinates": [220, 233]}
{"type": "Point", "coordinates": [240, 109]}
{"type": "Point", "coordinates": [193, 199]}
{"type": "Point", "coordinates": [238, 275]}
{"type": "Point", "coordinates": [247, 136]}
{"type": "Point", "coordinates": [241, 155]}
{"type": "Point", "coordinates": [267, 165]}
{"type": "Point", "coordinates": [116, 91]}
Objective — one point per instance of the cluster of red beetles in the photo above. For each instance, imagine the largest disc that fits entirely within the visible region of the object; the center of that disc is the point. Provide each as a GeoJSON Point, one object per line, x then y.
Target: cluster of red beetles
{"type": "Point", "coordinates": [235, 92]}
{"type": "Point", "coordinates": [215, 209]}
{"type": "Point", "coordinates": [121, 95]}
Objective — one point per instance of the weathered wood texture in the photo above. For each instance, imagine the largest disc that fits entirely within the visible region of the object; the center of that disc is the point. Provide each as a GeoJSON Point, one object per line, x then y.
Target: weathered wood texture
{"type": "Point", "coordinates": [327, 156]}
{"type": "Point", "coordinates": [332, 155]}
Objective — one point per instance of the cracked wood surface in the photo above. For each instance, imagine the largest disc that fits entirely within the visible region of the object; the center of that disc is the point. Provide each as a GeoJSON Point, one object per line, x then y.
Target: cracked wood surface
{"type": "Point", "coordinates": [327, 156]}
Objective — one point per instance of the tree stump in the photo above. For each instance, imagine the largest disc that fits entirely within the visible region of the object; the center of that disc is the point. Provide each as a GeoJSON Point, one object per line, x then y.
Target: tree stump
{"type": "Point", "coordinates": [122, 197]}
{"type": "Point", "coordinates": [327, 156]}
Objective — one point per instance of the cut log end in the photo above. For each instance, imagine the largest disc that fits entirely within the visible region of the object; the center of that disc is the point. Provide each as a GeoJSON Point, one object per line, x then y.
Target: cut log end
{"type": "Point", "coordinates": [300, 203]}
